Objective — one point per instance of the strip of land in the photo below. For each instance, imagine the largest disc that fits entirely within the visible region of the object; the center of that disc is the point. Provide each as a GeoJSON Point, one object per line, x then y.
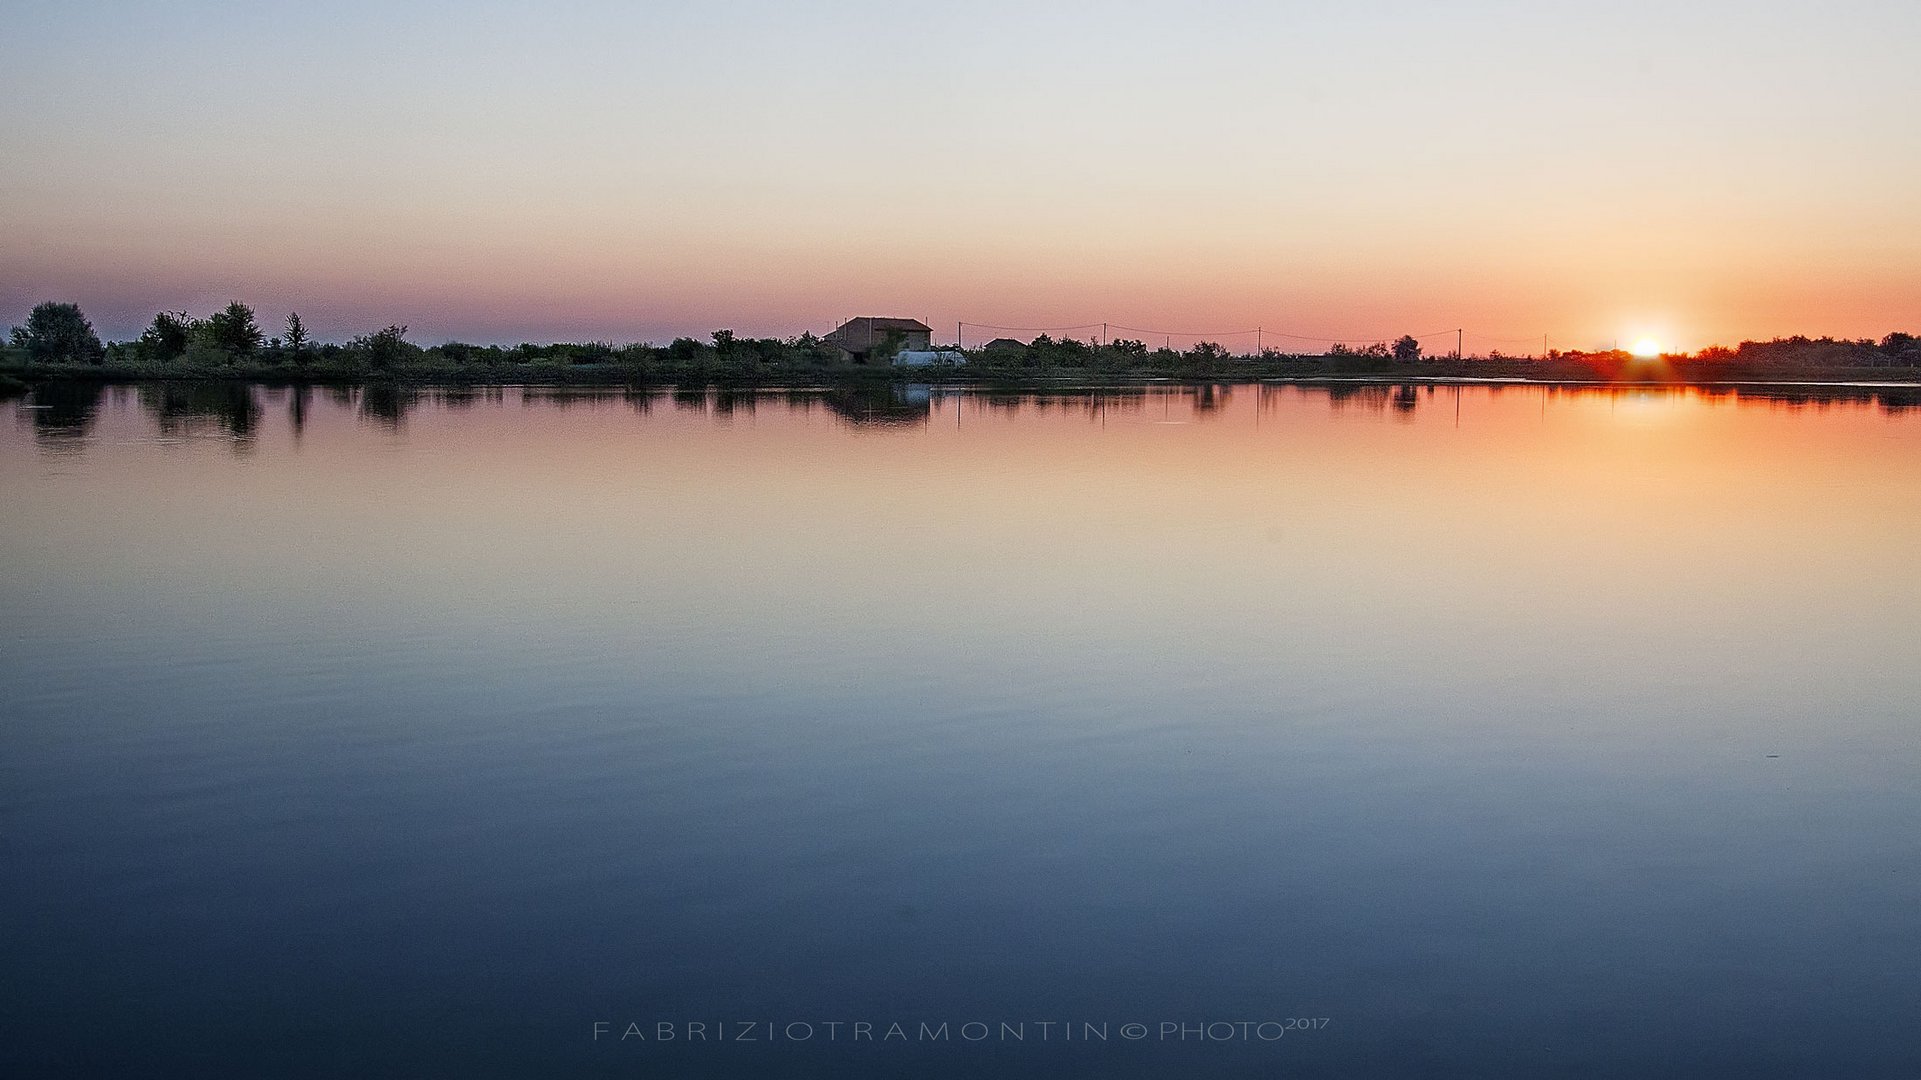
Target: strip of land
{"type": "Point", "coordinates": [58, 343]}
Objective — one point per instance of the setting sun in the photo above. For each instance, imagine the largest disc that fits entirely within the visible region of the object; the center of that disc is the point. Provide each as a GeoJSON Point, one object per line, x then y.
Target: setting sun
{"type": "Point", "coordinates": [1646, 348]}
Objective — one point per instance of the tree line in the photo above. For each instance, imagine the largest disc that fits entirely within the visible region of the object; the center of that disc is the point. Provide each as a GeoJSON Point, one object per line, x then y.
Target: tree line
{"type": "Point", "coordinates": [60, 333]}
{"type": "Point", "coordinates": [232, 340]}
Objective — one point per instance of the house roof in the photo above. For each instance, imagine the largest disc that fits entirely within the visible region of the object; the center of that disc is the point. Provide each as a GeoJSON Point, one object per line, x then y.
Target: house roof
{"type": "Point", "coordinates": [875, 322]}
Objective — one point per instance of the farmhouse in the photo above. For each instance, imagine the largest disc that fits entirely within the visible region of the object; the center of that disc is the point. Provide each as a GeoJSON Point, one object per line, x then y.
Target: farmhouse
{"type": "Point", "coordinates": [858, 338]}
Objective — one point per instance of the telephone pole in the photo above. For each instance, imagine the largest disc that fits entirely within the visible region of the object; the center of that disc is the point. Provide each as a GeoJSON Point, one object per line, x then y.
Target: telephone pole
{"type": "Point", "coordinates": [1460, 338]}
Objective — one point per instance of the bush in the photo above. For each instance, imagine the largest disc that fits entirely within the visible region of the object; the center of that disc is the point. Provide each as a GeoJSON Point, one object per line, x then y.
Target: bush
{"type": "Point", "coordinates": [57, 333]}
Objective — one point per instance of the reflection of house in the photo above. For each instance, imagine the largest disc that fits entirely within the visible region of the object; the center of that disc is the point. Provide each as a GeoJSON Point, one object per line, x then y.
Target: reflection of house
{"type": "Point", "coordinates": [858, 338]}
{"type": "Point", "coordinates": [880, 406]}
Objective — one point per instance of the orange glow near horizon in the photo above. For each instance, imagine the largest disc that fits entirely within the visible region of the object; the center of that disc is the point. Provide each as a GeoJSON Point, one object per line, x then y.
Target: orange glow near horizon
{"type": "Point", "coordinates": [1028, 169]}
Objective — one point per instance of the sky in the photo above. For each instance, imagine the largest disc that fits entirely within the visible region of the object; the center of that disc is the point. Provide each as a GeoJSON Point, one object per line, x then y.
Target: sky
{"type": "Point", "coordinates": [1692, 173]}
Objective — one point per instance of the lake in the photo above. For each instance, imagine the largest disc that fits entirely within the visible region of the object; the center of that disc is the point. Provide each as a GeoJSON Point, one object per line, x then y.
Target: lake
{"type": "Point", "coordinates": [1246, 730]}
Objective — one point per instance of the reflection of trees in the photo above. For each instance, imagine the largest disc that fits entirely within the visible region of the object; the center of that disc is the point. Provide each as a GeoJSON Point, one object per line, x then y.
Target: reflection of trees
{"type": "Point", "coordinates": [566, 397]}
{"type": "Point", "coordinates": [1371, 397]}
{"type": "Point", "coordinates": [731, 399]}
{"type": "Point", "coordinates": [197, 407]}
{"type": "Point", "coordinates": [895, 404]}
{"type": "Point", "coordinates": [1899, 400]}
{"type": "Point", "coordinates": [64, 412]}
{"type": "Point", "coordinates": [1891, 399]}
{"type": "Point", "coordinates": [388, 403]}
{"type": "Point", "coordinates": [298, 404]}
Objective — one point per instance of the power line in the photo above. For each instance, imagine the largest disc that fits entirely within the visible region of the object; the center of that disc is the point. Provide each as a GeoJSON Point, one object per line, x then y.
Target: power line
{"type": "Point", "coordinates": [1257, 332]}
{"type": "Point", "coordinates": [1186, 333]}
{"type": "Point", "coordinates": [1029, 329]}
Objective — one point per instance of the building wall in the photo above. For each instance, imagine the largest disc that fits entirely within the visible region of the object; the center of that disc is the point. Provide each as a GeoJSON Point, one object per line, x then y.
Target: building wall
{"type": "Point", "coordinates": [863, 335]}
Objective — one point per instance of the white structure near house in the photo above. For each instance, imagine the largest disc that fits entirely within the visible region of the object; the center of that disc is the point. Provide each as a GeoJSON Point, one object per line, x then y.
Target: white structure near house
{"type": "Point", "coordinates": [924, 357]}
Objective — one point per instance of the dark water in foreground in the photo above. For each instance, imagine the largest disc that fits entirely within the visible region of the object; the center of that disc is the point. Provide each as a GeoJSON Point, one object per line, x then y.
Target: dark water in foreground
{"type": "Point", "coordinates": [1494, 733]}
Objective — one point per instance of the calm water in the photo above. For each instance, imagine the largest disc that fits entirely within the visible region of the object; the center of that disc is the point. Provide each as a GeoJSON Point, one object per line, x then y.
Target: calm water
{"type": "Point", "coordinates": [1512, 732]}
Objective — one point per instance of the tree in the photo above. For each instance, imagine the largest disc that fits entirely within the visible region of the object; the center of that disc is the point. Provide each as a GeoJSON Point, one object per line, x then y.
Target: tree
{"type": "Point", "coordinates": [166, 337]}
{"type": "Point", "coordinates": [1407, 349]}
{"type": "Point", "coordinates": [233, 329]}
{"type": "Point", "coordinates": [59, 332]}
{"type": "Point", "coordinates": [385, 348]}
{"type": "Point", "coordinates": [890, 345]}
{"type": "Point", "coordinates": [685, 351]}
{"type": "Point", "coordinates": [296, 333]}
{"type": "Point", "coordinates": [1204, 358]}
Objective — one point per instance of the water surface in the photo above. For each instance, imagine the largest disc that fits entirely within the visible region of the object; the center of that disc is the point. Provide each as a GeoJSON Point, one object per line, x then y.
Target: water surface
{"type": "Point", "coordinates": [1513, 731]}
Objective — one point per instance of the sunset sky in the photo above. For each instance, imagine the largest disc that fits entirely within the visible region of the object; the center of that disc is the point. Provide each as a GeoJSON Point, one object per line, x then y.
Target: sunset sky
{"type": "Point", "coordinates": [503, 172]}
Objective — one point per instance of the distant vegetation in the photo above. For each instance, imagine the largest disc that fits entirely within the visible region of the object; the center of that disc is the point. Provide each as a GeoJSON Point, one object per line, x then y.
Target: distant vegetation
{"type": "Point", "coordinates": [57, 341]}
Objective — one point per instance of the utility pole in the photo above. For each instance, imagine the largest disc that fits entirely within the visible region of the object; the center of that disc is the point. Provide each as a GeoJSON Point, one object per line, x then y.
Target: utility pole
{"type": "Point", "coordinates": [1103, 335]}
{"type": "Point", "coordinates": [1257, 348]}
{"type": "Point", "coordinates": [957, 334]}
{"type": "Point", "coordinates": [1460, 337]}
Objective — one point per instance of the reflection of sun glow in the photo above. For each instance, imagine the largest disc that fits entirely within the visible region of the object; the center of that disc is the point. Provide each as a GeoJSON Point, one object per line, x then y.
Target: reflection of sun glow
{"type": "Point", "coordinates": [1647, 348]}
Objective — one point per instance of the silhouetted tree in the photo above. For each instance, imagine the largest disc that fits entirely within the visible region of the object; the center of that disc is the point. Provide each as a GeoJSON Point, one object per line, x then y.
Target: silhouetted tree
{"type": "Point", "coordinates": [234, 330]}
{"type": "Point", "coordinates": [166, 337]}
{"type": "Point", "coordinates": [1205, 358]}
{"type": "Point", "coordinates": [296, 334]}
{"type": "Point", "coordinates": [1407, 349]}
{"type": "Point", "coordinates": [59, 332]}
{"type": "Point", "coordinates": [686, 350]}
{"type": "Point", "coordinates": [384, 348]}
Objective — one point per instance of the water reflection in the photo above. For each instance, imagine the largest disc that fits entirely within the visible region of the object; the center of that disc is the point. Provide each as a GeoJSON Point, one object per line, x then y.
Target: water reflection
{"type": "Point", "coordinates": [63, 414]}
{"type": "Point", "coordinates": [187, 409]}
{"type": "Point", "coordinates": [450, 720]}
{"type": "Point", "coordinates": [388, 403]}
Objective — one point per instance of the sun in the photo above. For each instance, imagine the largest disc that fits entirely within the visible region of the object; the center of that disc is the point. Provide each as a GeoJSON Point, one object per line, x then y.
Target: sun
{"type": "Point", "coordinates": [1646, 349]}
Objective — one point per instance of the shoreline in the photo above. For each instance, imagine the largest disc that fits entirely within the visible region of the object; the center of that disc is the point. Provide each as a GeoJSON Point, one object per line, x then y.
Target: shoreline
{"type": "Point", "coordinates": [17, 381]}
